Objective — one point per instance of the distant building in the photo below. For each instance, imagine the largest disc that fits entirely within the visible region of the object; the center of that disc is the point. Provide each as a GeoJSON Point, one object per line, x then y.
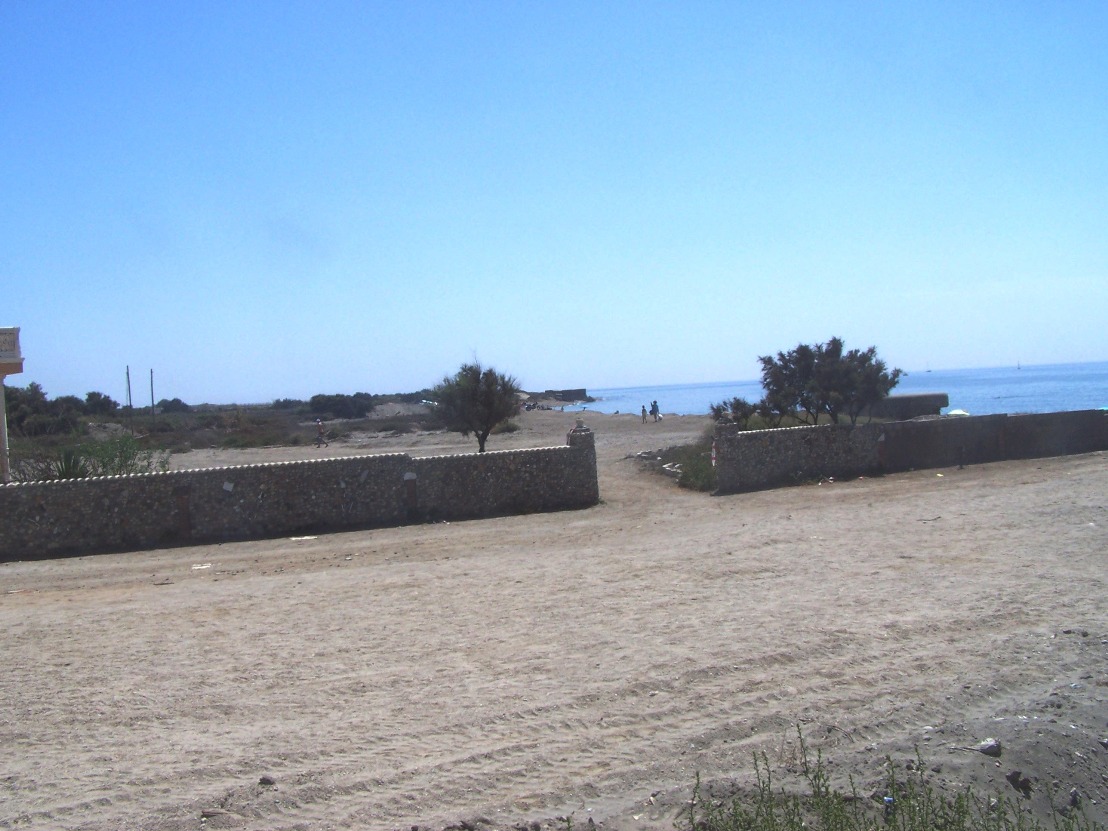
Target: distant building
{"type": "Point", "coordinates": [568, 395]}
{"type": "Point", "coordinates": [905, 407]}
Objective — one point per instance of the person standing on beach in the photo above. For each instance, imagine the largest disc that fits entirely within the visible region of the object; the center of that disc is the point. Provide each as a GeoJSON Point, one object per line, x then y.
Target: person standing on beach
{"type": "Point", "coordinates": [654, 409]}
{"type": "Point", "coordinates": [644, 414]}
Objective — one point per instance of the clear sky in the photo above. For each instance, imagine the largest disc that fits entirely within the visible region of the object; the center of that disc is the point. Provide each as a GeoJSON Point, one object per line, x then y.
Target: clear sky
{"type": "Point", "coordinates": [261, 200]}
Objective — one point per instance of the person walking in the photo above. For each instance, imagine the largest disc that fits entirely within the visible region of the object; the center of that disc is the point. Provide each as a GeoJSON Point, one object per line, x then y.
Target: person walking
{"type": "Point", "coordinates": [321, 434]}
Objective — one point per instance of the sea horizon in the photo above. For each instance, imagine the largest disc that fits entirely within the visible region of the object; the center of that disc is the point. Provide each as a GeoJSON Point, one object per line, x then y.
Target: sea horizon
{"type": "Point", "coordinates": [1032, 388]}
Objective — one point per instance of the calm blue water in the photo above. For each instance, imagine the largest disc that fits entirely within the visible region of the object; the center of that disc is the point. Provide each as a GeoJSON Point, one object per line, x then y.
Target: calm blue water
{"type": "Point", "coordinates": [1030, 389]}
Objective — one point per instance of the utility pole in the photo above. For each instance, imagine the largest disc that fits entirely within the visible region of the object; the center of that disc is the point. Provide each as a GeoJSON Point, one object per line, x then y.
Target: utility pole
{"type": "Point", "coordinates": [130, 407]}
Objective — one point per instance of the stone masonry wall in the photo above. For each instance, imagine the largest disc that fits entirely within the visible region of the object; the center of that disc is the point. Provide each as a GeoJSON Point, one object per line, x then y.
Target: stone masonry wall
{"type": "Point", "coordinates": [507, 482]}
{"type": "Point", "coordinates": [123, 513]}
{"type": "Point", "coordinates": [757, 459]}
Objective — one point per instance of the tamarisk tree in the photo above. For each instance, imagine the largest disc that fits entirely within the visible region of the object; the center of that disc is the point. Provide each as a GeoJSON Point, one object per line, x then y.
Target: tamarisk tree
{"type": "Point", "coordinates": [475, 400]}
{"type": "Point", "coordinates": [826, 379]}
{"type": "Point", "coordinates": [813, 380]}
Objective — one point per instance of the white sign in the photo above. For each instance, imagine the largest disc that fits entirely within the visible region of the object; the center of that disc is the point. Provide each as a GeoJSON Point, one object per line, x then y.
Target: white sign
{"type": "Point", "coordinates": [9, 345]}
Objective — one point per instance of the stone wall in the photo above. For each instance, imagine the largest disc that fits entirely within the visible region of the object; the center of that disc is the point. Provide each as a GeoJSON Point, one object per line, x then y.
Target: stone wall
{"type": "Point", "coordinates": [944, 442]}
{"type": "Point", "coordinates": [124, 513]}
{"type": "Point", "coordinates": [757, 459]}
{"type": "Point", "coordinates": [507, 482]}
{"type": "Point", "coordinates": [1034, 435]}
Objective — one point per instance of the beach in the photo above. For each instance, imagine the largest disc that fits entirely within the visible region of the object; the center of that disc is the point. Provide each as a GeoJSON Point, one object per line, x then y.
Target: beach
{"type": "Point", "coordinates": [590, 664]}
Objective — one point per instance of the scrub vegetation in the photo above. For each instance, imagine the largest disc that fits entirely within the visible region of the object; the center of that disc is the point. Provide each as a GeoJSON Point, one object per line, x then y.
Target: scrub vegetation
{"type": "Point", "coordinates": [70, 437]}
{"type": "Point", "coordinates": [904, 804]}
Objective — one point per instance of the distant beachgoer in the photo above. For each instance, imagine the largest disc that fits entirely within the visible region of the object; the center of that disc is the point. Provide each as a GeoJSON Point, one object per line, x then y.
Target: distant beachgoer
{"type": "Point", "coordinates": [321, 434]}
{"type": "Point", "coordinates": [654, 410]}
{"type": "Point", "coordinates": [644, 414]}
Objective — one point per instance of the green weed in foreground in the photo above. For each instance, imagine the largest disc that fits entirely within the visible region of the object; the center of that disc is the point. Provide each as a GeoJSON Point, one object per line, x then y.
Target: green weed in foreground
{"type": "Point", "coordinates": [695, 461]}
{"type": "Point", "coordinates": [911, 805]}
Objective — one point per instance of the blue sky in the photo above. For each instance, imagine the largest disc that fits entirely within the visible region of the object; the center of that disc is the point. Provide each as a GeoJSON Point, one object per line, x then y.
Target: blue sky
{"type": "Point", "coordinates": [268, 200]}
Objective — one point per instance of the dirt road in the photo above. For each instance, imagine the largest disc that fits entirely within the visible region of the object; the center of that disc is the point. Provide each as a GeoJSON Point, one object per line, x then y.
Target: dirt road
{"type": "Point", "coordinates": [588, 663]}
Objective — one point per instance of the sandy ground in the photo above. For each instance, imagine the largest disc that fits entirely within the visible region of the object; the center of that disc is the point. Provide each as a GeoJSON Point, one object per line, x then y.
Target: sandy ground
{"type": "Point", "coordinates": [589, 664]}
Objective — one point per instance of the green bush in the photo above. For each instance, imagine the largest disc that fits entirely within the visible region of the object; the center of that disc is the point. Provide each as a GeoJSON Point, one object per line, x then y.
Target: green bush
{"type": "Point", "coordinates": [69, 464]}
{"type": "Point", "coordinates": [736, 411]}
{"type": "Point", "coordinates": [117, 456]}
{"type": "Point", "coordinates": [173, 405]}
{"type": "Point", "coordinates": [695, 461]}
{"type": "Point", "coordinates": [697, 472]}
{"type": "Point", "coordinates": [123, 455]}
{"type": "Point", "coordinates": [342, 406]}
{"type": "Point", "coordinates": [505, 427]}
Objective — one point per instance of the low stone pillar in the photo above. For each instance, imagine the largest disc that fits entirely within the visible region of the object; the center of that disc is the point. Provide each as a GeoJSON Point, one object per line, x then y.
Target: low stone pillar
{"type": "Point", "coordinates": [581, 439]}
{"type": "Point", "coordinates": [580, 436]}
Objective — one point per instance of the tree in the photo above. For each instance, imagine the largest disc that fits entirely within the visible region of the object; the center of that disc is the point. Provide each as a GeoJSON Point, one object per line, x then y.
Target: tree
{"type": "Point", "coordinates": [97, 403]}
{"type": "Point", "coordinates": [173, 405]}
{"type": "Point", "coordinates": [787, 381]}
{"type": "Point", "coordinates": [475, 400]}
{"type": "Point", "coordinates": [871, 380]}
{"type": "Point", "coordinates": [340, 405]}
{"type": "Point", "coordinates": [831, 386]}
{"type": "Point", "coordinates": [289, 404]}
{"type": "Point", "coordinates": [31, 413]}
{"type": "Point", "coordinates": [825, 379]}
{"type": "Point", "coordinates": [736, 411]}
{"type": "Point", "coordinates": [24, 403]}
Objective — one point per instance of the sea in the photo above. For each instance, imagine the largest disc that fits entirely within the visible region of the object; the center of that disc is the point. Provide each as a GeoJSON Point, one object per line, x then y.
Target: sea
{"type": "Point", "coordinates": [1008, 389]}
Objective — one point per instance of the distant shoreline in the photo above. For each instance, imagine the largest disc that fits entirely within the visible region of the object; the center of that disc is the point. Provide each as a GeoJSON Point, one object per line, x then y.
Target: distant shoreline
{"type": "Point", "coordinates": [1038, 388]}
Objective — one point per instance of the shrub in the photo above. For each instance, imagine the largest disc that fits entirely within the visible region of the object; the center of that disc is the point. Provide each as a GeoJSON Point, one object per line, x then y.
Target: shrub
{"type": "Point", "coordinates": [289, 404]}
{"type": "Point", "coordinates": [695, 461]}
{"type": "Point", "coordinates": [910, 805]}
{"type": "Point", "coordinates": [123, 455]}
{"type": "Point", "coordinates": [697, 472]}
{"type": "Point", "coordinates": [173, 405]}
{"type": "Point", "coordinates": [505, 427]}
{"type": "Point", "coordinates": [118, 456]}
{"type": "Point", "coordinates": [69, 464]}
{"type": "Point", "coordinates": [736, 411]}
{"type": "Point", "coordinates": [342, 406]}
